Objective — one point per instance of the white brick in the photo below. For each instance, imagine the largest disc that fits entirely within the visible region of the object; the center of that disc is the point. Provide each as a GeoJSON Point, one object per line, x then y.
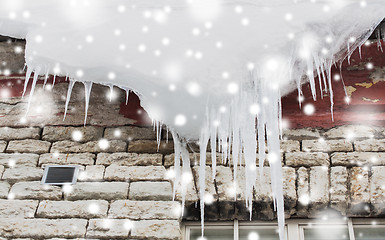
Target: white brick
{"type": "Point", "coordinates": [129, 159]}
{"type": "Point", "coordinates": [7, 133]}
{"type": "Point", "coordinates": [69, 209]}
{"type": "Point", "coordinates": [156, 229]}
{"type": "Point", "coordinates": [303, 191]}
{"type": "Point", "coordinates": [307, 159]}
{"type": "Point", "coordinates": [135, 173]}
{"type": "Point", "coordinates": [191, 192]}
{"type": "Point", "coordinates": [359, 191]}
{"type": "Point", "coordinates": [42, 228]}
{"type": "Point", "coordinates": [59, 133]}
{"type": "Point", "coordinates": [138, 210]}
{"type": "Point", "coordinates": [327, 146]}
{"type": "Point", "coordinates": [359, 185]}
{"type": "Point", "coordinates": [93, 146]}
{"type": "Point", "coordinates": [290, 146]}
{"type": "Point", "coordinates": [108, 228]}
{"type": "Point", "coordinates": [24, 173]}
{"type": "Point", "coordinates": [92, 173]}
{"type": "Point", "coordinates": [358, 158]}
{"type": "Point", "coordinates": [319, 186]}
{"type": "Point", "coordinates": [17, 208]}
{"type": "Point", "coordinates": [157, 191]}
{"type": "Point", "coordinates": [377, 189]}
{"type": "Point", "coordinates": [98, 190]}
{"type": "Point", "coordinates": [3, 145]}
{"type": "Point", "coordinates": [67, 159]}
{"type": "Point", "coordinates": [339, 188]}
{"type": "Point", "coordinates": [24, 159]}
{"type": "Point", "coordinates": [4, 189]}
{"type": "Point", "coordinates": [370, 145]}
{"type": "Point", "coordinates": [28, 146]}
{"type": "Point", "coordinates": [35, 190]}
{"type": "Point", "coordinates": [130, 133]}
{"type": "Point", "coordinates": [208, 182]}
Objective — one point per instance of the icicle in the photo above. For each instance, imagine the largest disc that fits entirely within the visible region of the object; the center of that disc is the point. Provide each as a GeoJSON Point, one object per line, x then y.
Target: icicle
{"type": "Point", "coordinates": [186, 176]}
{"type": "Point", "coordinates": [69, 92]}
{"type": "Point", "coordinates": [378, 34]}
{"type": "Point", "coordinates": [213, 145]}
{"type": "Point", "coordinates": [27, 77]}
{"type": "Point", "coordinates": [35, 77]}
{"type": "Point", "coordinates": [111, 91]}
{"type": "Point", "coordinates": [54, 79]}
{"type": "Point", "coordinates": [127, 95]}
{"type": "Point", "coordinates": [359, 51]}
{"type": "Point", "coordinates": [45, 78]}
{"type": "Point", "coordinates": [87, 92]}
{"type": "Point", "coordinates": [177, 150]}
{"type": "Point", "coordinates": [204, 138]}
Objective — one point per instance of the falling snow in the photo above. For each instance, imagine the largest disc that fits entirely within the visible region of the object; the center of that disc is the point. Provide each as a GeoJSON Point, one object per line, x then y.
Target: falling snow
{"type": "Point", "coordinates": [210, 70]}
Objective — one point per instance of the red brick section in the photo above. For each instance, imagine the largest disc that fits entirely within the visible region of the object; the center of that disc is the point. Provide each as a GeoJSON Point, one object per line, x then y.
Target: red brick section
{"type": "Point", "coordinates": [367, 101]}
{"type": "Point", "coordinates": [367, 104]}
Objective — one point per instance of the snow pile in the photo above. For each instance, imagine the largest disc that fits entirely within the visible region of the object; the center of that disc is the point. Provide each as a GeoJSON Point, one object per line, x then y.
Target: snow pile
{"type": "Point", "coordinates": [207, 69]}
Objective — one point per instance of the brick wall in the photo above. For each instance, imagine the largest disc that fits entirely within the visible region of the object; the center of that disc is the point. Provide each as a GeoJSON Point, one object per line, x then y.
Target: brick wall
{"type": "Point", "coordinates": [125, 190]}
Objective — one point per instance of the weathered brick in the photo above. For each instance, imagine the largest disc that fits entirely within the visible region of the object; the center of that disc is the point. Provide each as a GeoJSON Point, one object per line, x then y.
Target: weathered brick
{"type": "Point", "coordinates": [226, 192]}
{"type": "Point", "coordinates": [290, 146]}
{"type": "Point", "coordinates": [135, 173]}
{"type": "Point", "coordinates": [327, 146]}
{"type": "Point", "coordinates": [289, 193]}
{"type": "Point", "coordinates": [42, 228]}
{"type": "Point", "coordinates": [92, 173]}
{"type": "Point", "coordinates": [156, 229]}
{"type": "Point", "coordinates": [4, 189]}
{"type": "Point", "coordinates": [339, 188]}
{"type": "Point", "coordinates": [69, 209]}
{"type": "Point", "coordinates": [303, 191]}
{"type": "Point", "coordinates": [130, 133]}
{"type": "Point", "coordinates": [319, 187]}
{"type": "Point", "coordinates": [350, 132]}
{"type": "Point", "coordinates": [93, 146]}
{"type": "Point", "coordinates": [377, 189]}
{"type": "Point", "coordinates": [1, 170]}
{"type": "Point", "coordinates": [22, 173]}
{"type": "Point", "coordinates": [370, 145]}
{"type": "Point", "coordinates": [359, 191]}
{"type": "Point", "coordinates": [3, 145]}
{"type": "Point", "coordinates": [129, 159]}
{"type": "Point", "coordinates": [97, 190]}
{"type": "Point", "coordinates": [18, 208]}
{"type": "Point", "coordinates": [28, 146]}
{"type": "Point", "coordinates": [358, 158]}
{"type": "Point", "coordinates": [7, 133]}
{"type": "Point", "coordinates": [208, 182]}
{"type": "Point", "coordinates": [35, 190]}
{"type": "Point", "coordinates": [156, 191]}
{"type": "Point", "coordinates": [191, 192]}
{"type": "Point", "coordinates": [17, 159]}
{"type": "Point", "coordinates": [307, 159]}
{"type": "Point", "coordinates": [224, 184]}
{"type": "Point", "coordinates": [301, 134]}
{"type": "Point", "coordinates": [59, 133]}
{"type": "Point", "coordinates": [150, 146]}
{"type": "Point", "coordinates": [138, 210]}
{"type": "Point", "coordinates": [64, 159]}
{"type": "Point", "coordinates": [109, 228]}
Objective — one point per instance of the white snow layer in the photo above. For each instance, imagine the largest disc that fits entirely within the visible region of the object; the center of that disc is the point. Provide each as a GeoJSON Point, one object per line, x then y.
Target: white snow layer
{"type": "Point", "coordinates": [208, 69]}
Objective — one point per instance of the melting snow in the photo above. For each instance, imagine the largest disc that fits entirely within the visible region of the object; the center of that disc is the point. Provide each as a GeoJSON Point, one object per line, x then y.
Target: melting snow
{"type": "Point", "coordinates": [207, 69]}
